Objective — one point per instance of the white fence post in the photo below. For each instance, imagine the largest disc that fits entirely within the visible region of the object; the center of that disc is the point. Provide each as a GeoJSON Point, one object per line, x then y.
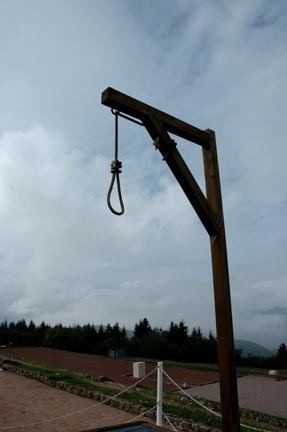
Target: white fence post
{"type": "Point", "coordinates": [159, 394]}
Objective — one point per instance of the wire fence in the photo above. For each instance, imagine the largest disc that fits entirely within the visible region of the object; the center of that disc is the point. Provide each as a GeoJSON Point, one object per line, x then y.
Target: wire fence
{"type": "Point", "coordinates": [114, 397]}
{"type": "Point", "coordinates": [79, 411]}
{"type": "Point", "coordinates": [196, 401]}
{"type": "Point", "coordinates": [169, 422]}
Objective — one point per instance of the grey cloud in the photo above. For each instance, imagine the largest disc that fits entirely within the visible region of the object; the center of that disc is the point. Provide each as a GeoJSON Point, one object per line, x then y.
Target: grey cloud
{"type": "Point", "coordinates": [280, 311]}
{"type": "Point", "coordinates": [63, 256]}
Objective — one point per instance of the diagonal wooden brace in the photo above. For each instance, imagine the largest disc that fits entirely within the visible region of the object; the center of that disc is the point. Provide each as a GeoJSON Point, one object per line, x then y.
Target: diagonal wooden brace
{"type": "Point", "coordinates": [180, 170]}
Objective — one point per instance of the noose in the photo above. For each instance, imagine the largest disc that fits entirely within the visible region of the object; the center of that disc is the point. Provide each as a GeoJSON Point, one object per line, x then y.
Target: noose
{"type": "Point", "coordinates": [116, 166]}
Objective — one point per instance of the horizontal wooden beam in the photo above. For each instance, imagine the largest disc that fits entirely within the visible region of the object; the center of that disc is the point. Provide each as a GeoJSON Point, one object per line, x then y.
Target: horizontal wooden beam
{"type": "Point", "coordinates": [139, 110]}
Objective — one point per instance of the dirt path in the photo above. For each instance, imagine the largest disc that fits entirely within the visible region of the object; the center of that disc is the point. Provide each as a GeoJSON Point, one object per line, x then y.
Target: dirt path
{"type": "Point", "coordinates": [259, 393]}
{"type": "Point", "coordinates": [25, 401]}
{"type": "Point", "coordinates": [118, 370]}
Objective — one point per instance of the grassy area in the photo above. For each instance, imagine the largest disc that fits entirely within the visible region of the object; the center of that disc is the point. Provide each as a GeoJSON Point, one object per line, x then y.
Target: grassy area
{"type": "Point", "coordinates": [142, 396]}
{"type": "Point", "coordinates": [134, 396]}
{"type": "Point", "coordinates": [204, 367]}
{"type": "Point", "coordinates": [67, 376]}
{"type": "Point", "coordinates": [172, 363]}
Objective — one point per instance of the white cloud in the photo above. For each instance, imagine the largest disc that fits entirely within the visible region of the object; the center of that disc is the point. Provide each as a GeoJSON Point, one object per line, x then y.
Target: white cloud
{"type": "Point", "coordinates": [59, 235]}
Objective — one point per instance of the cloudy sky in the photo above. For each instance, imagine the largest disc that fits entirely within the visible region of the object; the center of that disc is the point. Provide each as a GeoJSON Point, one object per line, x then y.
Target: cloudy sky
{"type": "Point", "coordinates": [215, 64]}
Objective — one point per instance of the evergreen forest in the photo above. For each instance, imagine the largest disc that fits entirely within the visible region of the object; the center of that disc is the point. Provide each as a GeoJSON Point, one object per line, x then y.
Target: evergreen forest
{"type": "Point", "coordinates": [175, 343]}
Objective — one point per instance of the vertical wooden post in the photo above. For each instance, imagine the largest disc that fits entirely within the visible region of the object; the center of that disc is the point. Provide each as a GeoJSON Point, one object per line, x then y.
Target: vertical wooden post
{"type": "Point", "coordinates": [225, 339]}
{"type": "Point", "coordinates": [210, 212]}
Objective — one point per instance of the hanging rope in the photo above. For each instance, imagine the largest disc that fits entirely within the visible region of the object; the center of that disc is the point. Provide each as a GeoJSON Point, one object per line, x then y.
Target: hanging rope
{"type": "Point", "coordinates": [116, 167]}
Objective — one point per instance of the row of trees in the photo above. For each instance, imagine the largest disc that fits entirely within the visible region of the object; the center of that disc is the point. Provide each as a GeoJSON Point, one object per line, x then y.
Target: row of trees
{"type": "Point", "coordinates": [87, 338]}
{"type": "Point", "coordinates": [279, 361]}
{"type": "Point", "coordinates": [175, 343]}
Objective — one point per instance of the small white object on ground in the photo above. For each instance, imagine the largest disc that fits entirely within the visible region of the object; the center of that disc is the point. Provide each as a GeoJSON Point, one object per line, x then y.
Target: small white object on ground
{"type": "Point", "coordinates": [138, 369]}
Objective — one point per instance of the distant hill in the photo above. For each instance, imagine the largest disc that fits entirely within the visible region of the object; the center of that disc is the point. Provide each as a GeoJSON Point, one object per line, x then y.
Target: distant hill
{"type": "Point", "coordinates": [252, 348]}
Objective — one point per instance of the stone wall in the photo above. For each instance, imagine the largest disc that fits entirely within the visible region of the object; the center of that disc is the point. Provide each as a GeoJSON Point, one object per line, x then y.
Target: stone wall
{"type": "Point", "coordinates": [180, 424]}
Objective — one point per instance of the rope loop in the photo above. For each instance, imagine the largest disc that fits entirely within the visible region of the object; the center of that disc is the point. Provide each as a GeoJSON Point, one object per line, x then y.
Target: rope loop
{"type": "Point", "coordinates": [116, 167]}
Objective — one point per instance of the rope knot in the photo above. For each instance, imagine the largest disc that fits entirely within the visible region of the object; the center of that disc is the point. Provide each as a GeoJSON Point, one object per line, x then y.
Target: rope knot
{"type": "Point", "coordinates": [116, 167]}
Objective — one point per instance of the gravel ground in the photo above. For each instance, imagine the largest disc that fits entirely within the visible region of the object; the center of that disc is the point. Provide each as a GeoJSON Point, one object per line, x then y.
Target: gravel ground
{"type": "Point", "coordinates": [25, 401]}
{"type": "Point", "coordinates": [259, 393]}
